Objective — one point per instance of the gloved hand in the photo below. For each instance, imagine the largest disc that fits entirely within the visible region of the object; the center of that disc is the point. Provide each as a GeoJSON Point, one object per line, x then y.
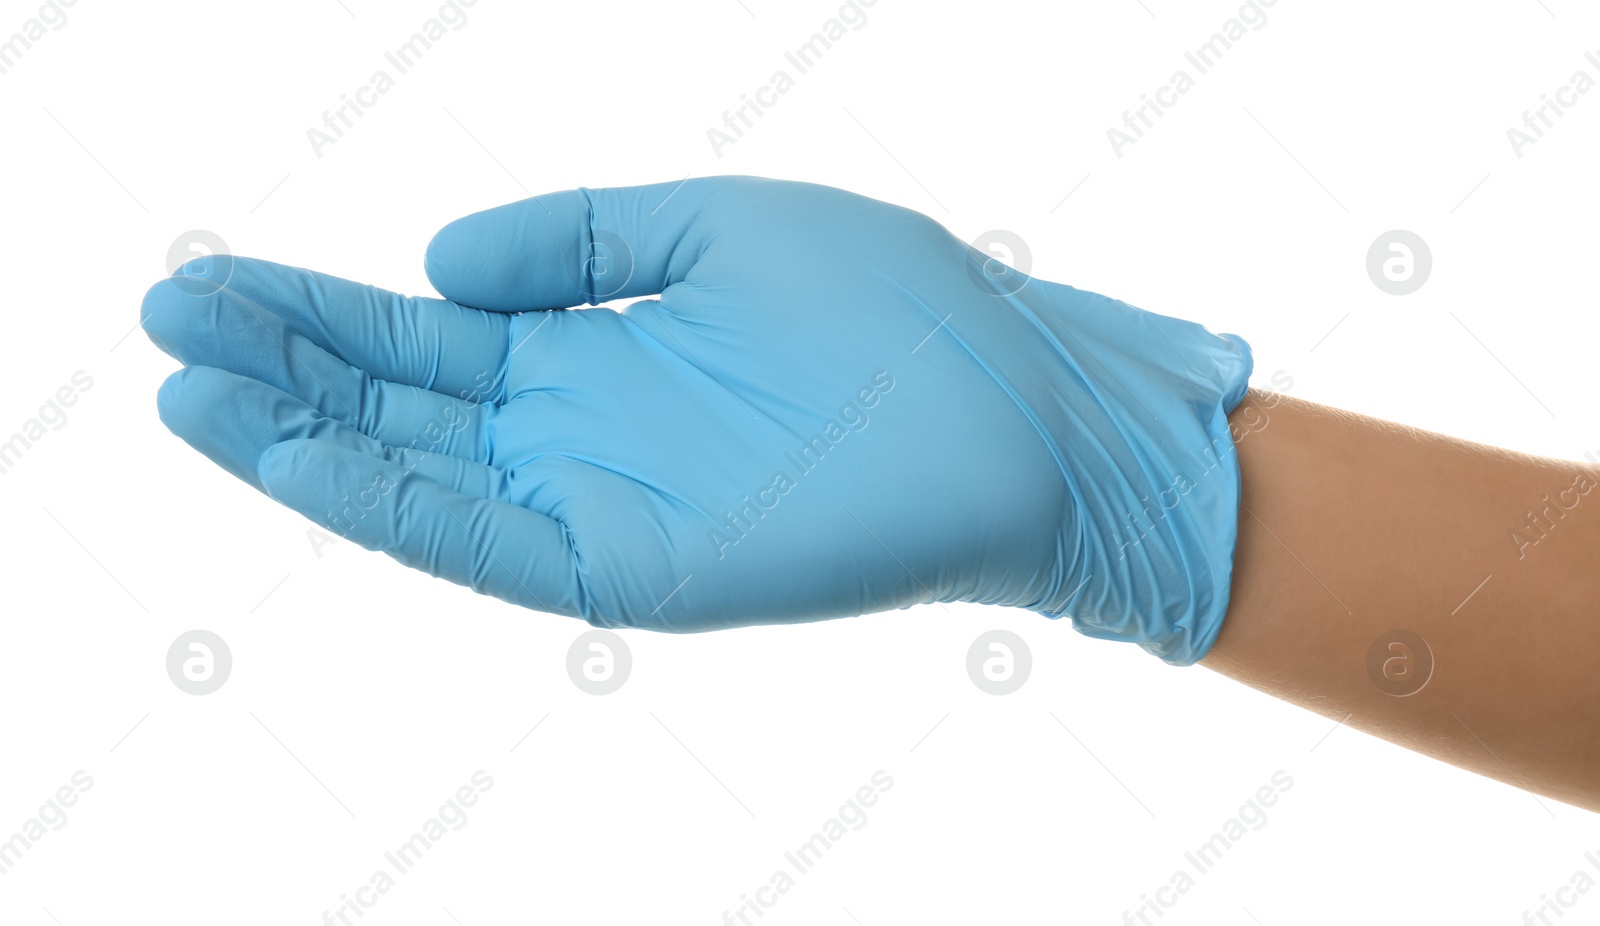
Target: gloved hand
{"type": "Point", "coordinates": [834, 407]}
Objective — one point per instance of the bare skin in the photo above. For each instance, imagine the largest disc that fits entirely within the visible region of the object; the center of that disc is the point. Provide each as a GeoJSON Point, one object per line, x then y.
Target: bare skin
{"type": "Point", "coordinates": [1354, 527]}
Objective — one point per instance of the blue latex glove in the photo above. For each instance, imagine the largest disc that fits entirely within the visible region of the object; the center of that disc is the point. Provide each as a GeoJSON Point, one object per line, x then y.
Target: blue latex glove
{"type": "Point", "coordinates": [834, 407]}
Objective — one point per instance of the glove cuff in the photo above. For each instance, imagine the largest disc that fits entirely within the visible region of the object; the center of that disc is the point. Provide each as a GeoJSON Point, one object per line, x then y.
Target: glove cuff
{"type": "Point", "coordinates": [1134, 408]}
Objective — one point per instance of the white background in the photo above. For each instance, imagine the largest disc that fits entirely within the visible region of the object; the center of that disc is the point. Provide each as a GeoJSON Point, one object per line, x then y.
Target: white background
{"type": "Point", "coordinates": [364, 694]}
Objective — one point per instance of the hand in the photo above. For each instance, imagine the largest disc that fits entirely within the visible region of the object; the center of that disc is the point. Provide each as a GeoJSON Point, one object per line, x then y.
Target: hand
{"type": "Point", "coordinates": [834, 407]}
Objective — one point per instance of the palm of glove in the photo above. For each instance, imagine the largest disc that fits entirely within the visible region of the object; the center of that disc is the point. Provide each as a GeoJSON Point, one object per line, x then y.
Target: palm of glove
{"type": "Point", "coordinates": [793, 430]}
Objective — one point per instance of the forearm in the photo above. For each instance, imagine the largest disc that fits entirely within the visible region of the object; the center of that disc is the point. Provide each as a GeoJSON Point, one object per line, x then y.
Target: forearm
{"type": "Point", "coordinates": [1352, 528]}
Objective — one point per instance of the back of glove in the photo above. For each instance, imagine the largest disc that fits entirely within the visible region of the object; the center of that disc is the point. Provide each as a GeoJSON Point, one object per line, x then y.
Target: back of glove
{"type": "Point", "coordinates": [834, 407]}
